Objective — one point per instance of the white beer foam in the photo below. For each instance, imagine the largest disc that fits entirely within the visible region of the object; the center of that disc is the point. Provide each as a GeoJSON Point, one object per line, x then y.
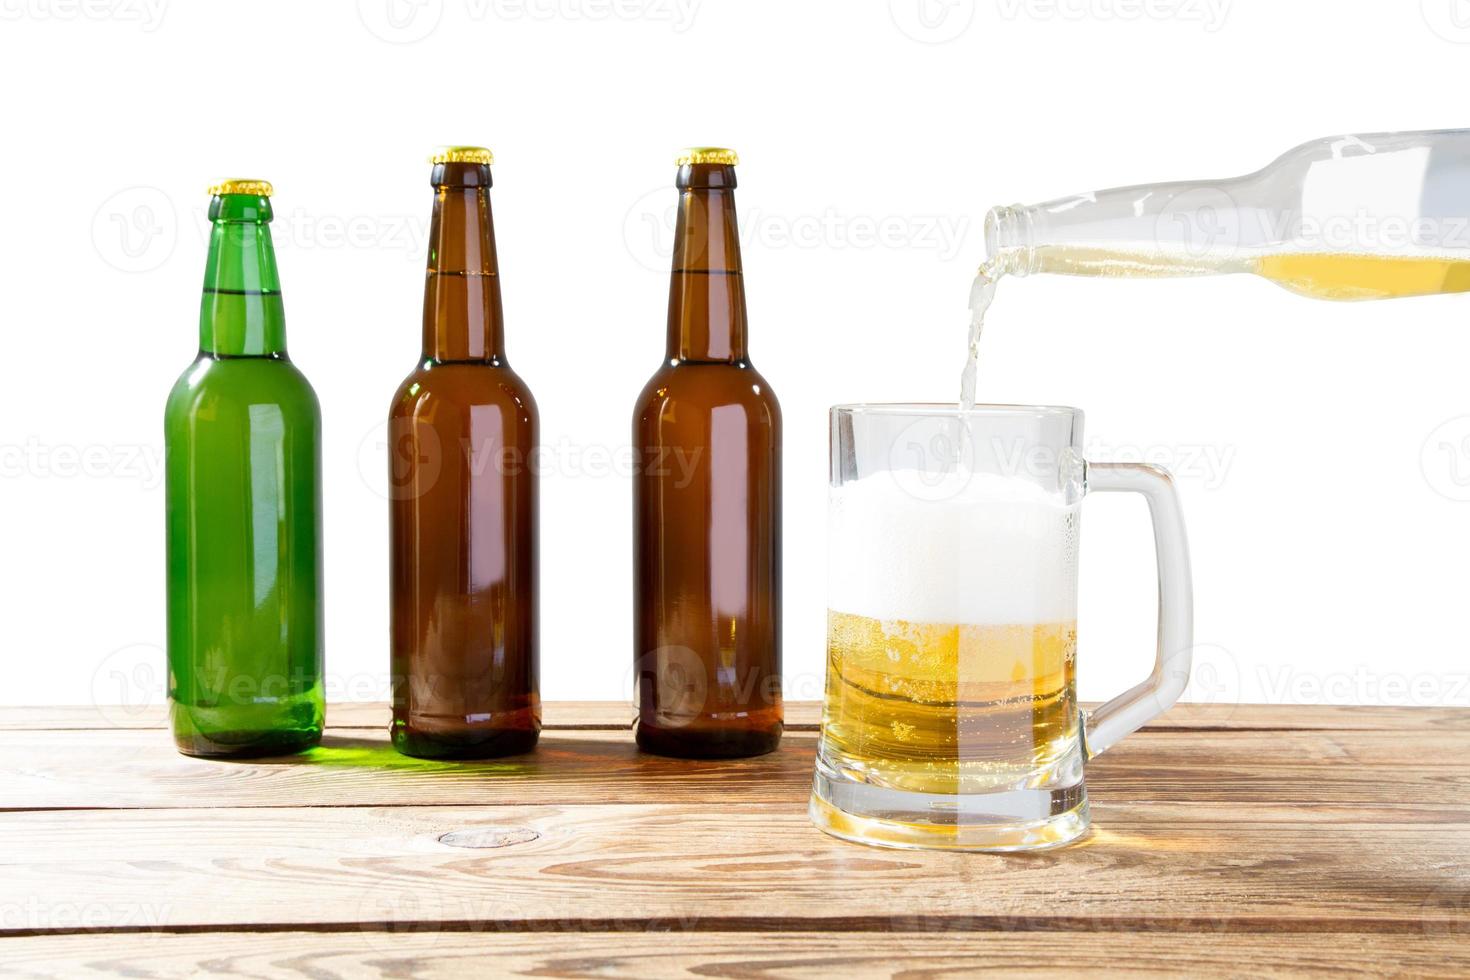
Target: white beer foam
{"type": "Point", "coordinates": [975, 548]}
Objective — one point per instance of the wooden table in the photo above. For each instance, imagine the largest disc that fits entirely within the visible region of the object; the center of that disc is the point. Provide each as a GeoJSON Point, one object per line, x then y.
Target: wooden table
{"type": "Point", "coordinates": [1229, 840]}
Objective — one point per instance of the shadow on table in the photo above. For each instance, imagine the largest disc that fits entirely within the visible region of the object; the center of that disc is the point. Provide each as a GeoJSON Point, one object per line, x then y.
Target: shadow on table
{"type": "Point", "coordinates": [560, 755]}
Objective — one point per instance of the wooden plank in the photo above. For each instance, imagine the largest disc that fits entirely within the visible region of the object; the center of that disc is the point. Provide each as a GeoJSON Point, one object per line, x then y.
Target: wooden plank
{"type": "Point", "coordinates": [1146, 868]}
{"type": "Point", "coordinates": [126, 768]}
{"type": "Point", "coordinates": [800, 716]}
{"type": "Point", "coordinates": [1229, 840]}
{"type": "Point", "coordinates": [777, 956]}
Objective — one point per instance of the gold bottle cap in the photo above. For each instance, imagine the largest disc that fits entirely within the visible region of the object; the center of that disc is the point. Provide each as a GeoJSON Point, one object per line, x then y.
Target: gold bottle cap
{"type": "Point", "coordinates": [255, 188]}
{"type": "Point", "coordinates": [707, 154]}
{"type": "Point", "coordinates": [462, 154]}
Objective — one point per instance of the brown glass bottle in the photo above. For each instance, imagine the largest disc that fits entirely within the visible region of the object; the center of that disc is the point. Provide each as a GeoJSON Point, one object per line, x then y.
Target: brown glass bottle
{"type": "Point", "coordinates": [707, 501]}
{"type": "Point", "coordinates": [461, 434]}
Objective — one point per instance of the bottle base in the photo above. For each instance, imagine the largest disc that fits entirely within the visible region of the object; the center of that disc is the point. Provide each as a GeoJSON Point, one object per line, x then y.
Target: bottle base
{"type": "Point", "coordinates": [279, 726]}
{"type": "Point", "coordinates": [694, 743]}
{"type": "Point", "coordinates": [480, 744]}
{"type": "Point", "coordinates": [246, 744]}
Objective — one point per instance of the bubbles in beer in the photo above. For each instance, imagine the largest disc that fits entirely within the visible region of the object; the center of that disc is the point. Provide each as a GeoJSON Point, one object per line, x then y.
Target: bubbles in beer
{"type": "Point", "coordinates": [952, 670]}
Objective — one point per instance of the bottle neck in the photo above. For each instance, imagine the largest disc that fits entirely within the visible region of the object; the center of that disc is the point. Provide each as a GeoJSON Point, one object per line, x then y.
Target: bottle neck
{"type": "Point", "coordinates": [241, 314]}
{"type": "Point", "coordinates": [1009, 239]}
{"type": "Point", "coordinates": [462, 310]}
{"type": "Point", "coordinates": [707, 290]}
{"type": "Point", "coordinates": [1173, 229]}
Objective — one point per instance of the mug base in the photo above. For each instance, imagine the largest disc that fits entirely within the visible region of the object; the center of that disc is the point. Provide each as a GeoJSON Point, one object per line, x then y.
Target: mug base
{"type": "Point", "coordinates": [1019, 820]}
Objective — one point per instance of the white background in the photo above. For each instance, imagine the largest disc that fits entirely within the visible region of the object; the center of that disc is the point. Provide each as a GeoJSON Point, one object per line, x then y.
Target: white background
{"type": "Point", "coordinates": [1329, 558]}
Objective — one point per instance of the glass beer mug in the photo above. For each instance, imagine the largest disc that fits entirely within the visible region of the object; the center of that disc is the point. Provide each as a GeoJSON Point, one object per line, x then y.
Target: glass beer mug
{"type": "Point", "coordinates": [951, 718]}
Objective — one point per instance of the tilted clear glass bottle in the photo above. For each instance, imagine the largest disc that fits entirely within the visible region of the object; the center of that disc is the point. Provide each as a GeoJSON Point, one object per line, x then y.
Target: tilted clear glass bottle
{"type": "Point", "coordinates": [1365, 216]}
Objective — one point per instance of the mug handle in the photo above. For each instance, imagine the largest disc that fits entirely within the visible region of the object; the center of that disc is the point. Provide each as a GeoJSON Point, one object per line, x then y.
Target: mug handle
{"type": "Point", "coordinates": [1130, 710]}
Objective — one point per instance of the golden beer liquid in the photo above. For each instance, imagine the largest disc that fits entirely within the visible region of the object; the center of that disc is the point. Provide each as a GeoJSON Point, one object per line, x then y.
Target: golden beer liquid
{"type": "Point", "coordinates": [1320, 275]}
{"type": "Point", "coordinates": [949, 708]}
{"type": "Point", "coordinates": [1328, 276]}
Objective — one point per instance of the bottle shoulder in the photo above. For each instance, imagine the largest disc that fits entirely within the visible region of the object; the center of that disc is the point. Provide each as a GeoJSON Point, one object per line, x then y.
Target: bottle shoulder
{"type": "Point", "coordinates": [701, 386]}
{"type": "Point", "coordinates": [213, 382]}
{"type": "Point", "coordinates": [462, 385]}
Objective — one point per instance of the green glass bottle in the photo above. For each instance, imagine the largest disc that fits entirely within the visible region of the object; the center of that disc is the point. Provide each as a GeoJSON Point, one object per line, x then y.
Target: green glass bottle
{"type": "Point", "coordinates": [242, 441]}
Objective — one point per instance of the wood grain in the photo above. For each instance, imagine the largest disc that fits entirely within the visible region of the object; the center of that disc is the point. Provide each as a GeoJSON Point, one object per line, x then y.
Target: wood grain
{"type": "Point", "coordinates": [1229, 840]}
{"type": "Point", "coordinates": [751, 866]}
{"type": "Point", "coordinates": [140, 768]}
{"type": "Point", "coordinates": [766, 956]}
